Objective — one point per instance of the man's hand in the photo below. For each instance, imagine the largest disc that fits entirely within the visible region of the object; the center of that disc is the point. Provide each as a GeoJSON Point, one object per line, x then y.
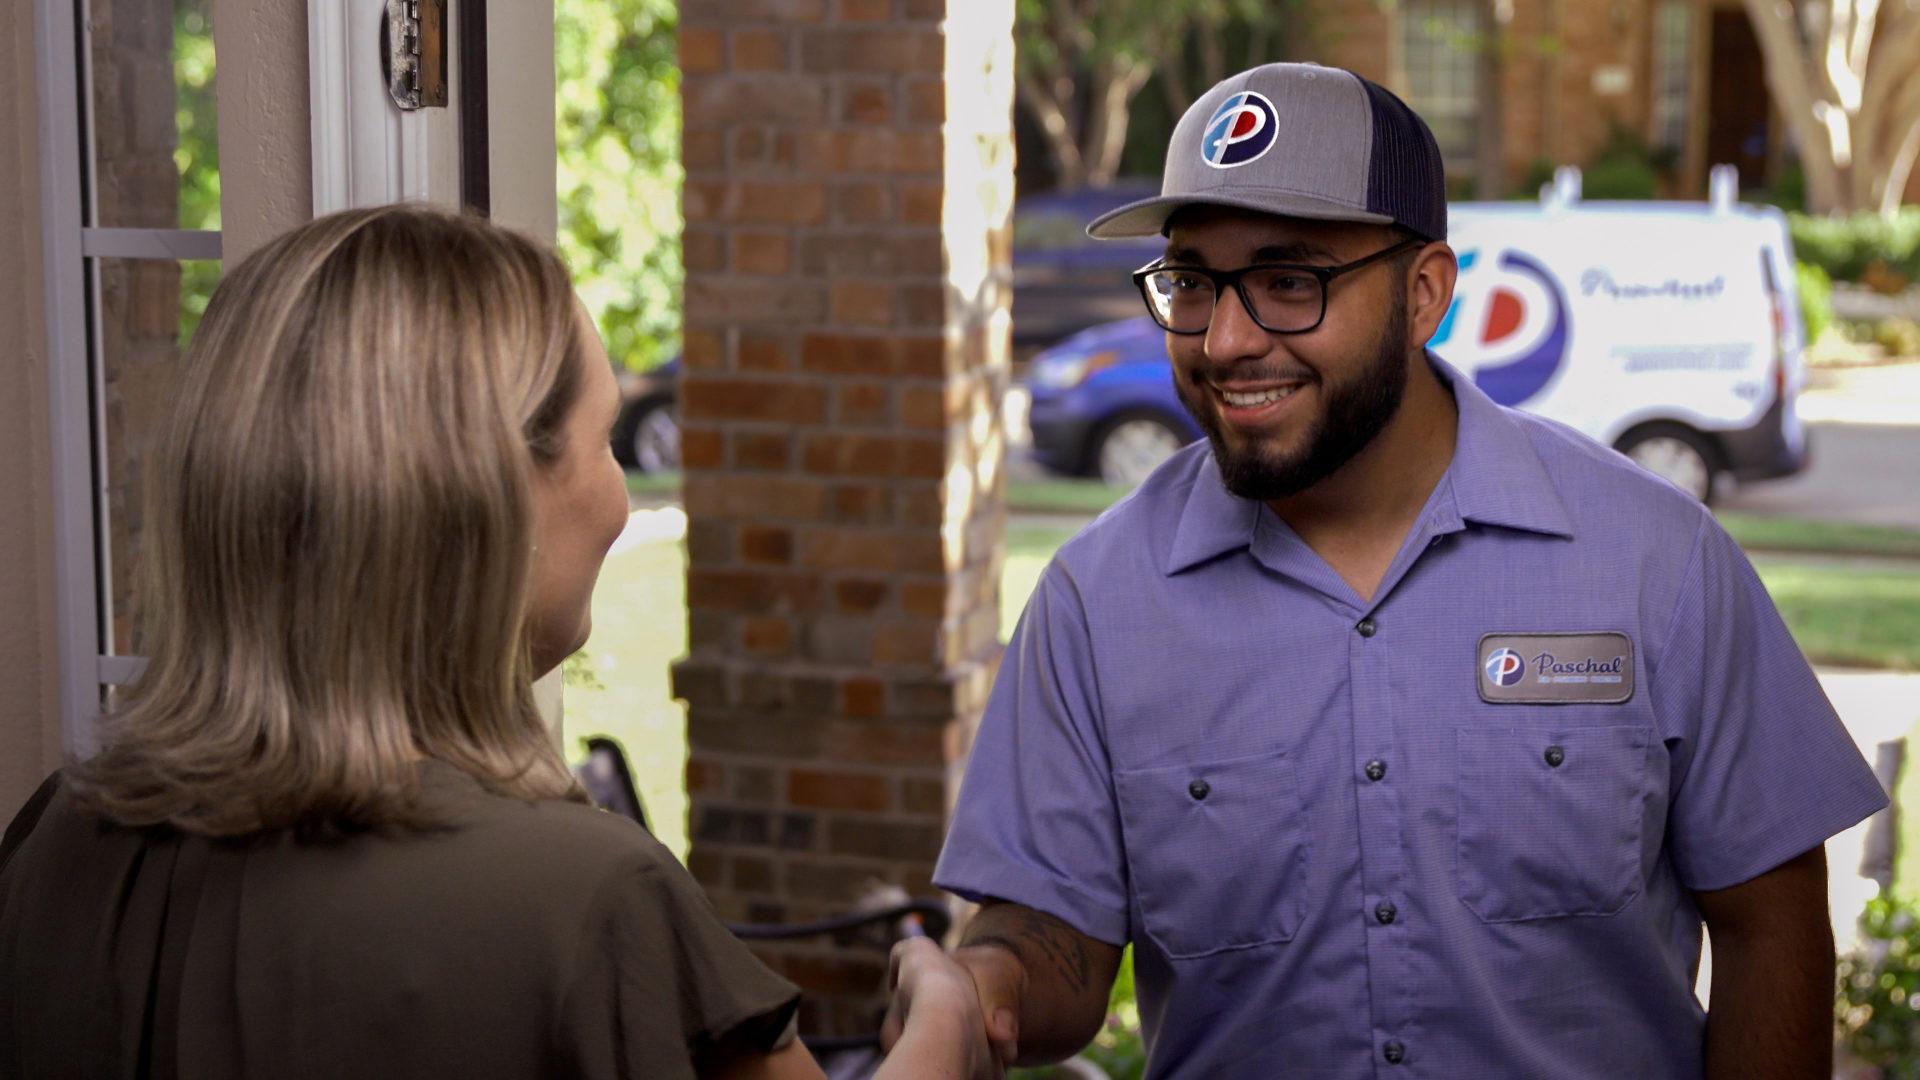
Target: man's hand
{"type": "Point", "coordinates": [933, 1029]}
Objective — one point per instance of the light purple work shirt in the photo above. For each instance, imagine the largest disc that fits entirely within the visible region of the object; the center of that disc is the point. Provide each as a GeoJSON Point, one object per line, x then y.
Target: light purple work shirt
{"type": "Point", "coordinates": [1338, 844]}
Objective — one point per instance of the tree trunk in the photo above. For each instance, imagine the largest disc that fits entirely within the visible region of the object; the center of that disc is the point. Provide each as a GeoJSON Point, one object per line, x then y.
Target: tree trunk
{"type": "Point", "coordinates": [1899, 171]}
{"type": "Point", "coordinates": [1796, 89]}
{"type": "Point", "coordinates": [1113, 87]}
{"type": "Point", "coordinates": [1063, 148]}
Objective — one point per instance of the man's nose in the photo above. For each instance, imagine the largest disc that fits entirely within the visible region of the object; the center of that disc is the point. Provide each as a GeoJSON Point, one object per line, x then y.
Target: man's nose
{"type": "Point", "coordinates": [1233, 335]}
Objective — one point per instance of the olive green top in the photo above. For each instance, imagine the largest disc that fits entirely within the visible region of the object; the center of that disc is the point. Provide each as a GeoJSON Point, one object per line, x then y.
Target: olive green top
{"type": "Point", "coordinates": [530, 939]}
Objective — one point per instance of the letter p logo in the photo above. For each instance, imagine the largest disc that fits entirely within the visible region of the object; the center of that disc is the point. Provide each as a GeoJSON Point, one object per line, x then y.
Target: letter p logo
{"type": "Point", "coordinates": [1241, 130]}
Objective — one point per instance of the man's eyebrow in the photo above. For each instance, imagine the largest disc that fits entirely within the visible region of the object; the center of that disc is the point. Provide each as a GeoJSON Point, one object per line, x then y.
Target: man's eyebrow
{"type": "Point", "coordinates": [1292, 252]}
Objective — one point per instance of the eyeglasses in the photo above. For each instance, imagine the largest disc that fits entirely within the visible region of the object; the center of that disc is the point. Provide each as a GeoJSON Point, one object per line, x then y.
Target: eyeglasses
{"type": "Point", "coordinates": [1283, 298]}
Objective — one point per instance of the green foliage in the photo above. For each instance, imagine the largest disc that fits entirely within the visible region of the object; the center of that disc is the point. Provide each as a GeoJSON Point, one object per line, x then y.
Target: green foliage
{"type": "Point", "coordinates": [577, 672]}
{"type": "Point", "coordinates": [1789, 189]}
{"type": "Point", "coordinates": [1878, 1002]}
{"type": "Point", "coordinates": [1166, 53]}
{"type": "Point", "coordinates": [1118, 1049]}
{"type": "Point", "coordinates": [1861, 247]}
{"type": "Point", "coordinates": [197, 153]}
{"type": "Point", "coordinates": [1900, 337]}
{"type": "Point", "coordinates": [1816, 298]}
{"type": "Point", "coordinates": [1625, 168]}
{"type": "Point", "coordinates": [1539, 174]}
{"type": "Point", "coordinates": [617, 121]}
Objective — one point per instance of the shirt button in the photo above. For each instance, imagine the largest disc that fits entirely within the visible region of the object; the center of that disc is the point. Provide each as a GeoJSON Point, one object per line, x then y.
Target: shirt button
{"type": "Point", "coordinates": [1199, 789]}
{"type": "Point", "coordinates": [1555, 755]}
{"type": "Point", "coordinates": [1367, 627]}
{"type": "Point", "coordinates": [1376, 769]}
{"type": "Point", "coordinates": [1385, 913]}
{"type": "Point", "coordinates": [1394, 1052]}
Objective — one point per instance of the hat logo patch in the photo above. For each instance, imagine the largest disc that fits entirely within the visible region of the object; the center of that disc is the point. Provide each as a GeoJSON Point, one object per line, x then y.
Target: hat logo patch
{"type": "Point", "coordinates": [1241, 130]}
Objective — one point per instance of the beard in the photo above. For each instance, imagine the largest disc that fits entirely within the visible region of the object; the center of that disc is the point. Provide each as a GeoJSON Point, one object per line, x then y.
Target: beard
{"type": "Point", "coordinates": [1354, 412]}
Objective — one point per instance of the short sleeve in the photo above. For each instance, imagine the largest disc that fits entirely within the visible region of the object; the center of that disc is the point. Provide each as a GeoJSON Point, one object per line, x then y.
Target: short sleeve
{"type": "Point", "coordinates": [659, 985]}
{"type": "Point", "coordinates": [1036, 822]}
{"type": "Point", "coordinates": [1764, 770]}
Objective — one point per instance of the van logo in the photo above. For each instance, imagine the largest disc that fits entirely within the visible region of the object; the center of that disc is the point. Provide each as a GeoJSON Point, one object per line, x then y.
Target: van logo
{"type": "Point", "coordinates": [1239, 131]}
{"type": "Point", "coordinates": [1511, 315]}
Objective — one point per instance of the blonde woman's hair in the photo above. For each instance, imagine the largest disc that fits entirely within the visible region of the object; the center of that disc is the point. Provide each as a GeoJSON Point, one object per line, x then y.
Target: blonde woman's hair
{"type": "Point", "coordinates": [338, 534]}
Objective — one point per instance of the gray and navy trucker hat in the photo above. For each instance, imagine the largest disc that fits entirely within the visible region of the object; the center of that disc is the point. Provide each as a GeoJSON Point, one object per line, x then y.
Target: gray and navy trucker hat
{"type": "Point", "coordinates": [1298, 140]}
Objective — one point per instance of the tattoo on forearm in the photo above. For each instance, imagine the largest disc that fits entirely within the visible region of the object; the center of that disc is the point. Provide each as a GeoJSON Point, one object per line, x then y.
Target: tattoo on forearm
{"type": "Point", "coordinates": [1041, 943]}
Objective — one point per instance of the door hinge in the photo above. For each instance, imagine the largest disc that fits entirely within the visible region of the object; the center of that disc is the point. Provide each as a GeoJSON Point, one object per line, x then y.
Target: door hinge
{"type": "Point", "coordinates": [414, 48]}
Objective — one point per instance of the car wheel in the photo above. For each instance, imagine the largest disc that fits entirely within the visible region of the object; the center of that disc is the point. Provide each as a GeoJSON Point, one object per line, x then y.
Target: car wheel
{"type": "Point", "coordinates": [655, 443]}
{"type": "Point", "coordinates": [1129, 448]}
{"type": "Point", "coordinates": [1679, 455]}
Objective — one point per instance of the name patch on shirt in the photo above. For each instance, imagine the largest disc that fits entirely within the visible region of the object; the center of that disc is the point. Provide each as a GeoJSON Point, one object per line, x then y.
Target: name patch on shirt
{"type": "Point", "coordinates": [1556, 669]}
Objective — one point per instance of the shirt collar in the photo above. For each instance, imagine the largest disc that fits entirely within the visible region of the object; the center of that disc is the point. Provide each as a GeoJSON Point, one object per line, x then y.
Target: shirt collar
{"type": "Point", "coordinates": [1497, 478]}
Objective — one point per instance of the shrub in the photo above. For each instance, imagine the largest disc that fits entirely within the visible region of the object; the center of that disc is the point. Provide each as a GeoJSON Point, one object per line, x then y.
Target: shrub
{"type": "Point", "coordinates": [1816, 299]}
{"type": "Point", "coordinates": [1861, 247]}
{"type": "Point", "coordinates": [1620, 178]}
{"type": "Point", "coordinates": [1878, 1003]}
{"type": "Point", "coordinates": [1900, 337]}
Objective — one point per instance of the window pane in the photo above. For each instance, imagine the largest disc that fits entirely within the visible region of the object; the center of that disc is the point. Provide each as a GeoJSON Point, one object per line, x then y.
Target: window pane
{"type": "Point", "coordinates": [155, 137]}
{"type": "Point", "coordinates": [1672, 57]}
{"type": "Point", "coordinates": [147, 309]}
{"type": "Point", "coordinates": [1438, 37]}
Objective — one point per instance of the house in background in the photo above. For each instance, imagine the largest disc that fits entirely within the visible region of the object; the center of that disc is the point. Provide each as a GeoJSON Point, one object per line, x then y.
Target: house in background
{"type": "Point", "coordinates": [1680, 84]}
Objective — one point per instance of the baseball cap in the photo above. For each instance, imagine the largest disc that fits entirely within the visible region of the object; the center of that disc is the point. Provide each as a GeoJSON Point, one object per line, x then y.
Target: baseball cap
{"type": "Point", "coordinates": [1299, 140]}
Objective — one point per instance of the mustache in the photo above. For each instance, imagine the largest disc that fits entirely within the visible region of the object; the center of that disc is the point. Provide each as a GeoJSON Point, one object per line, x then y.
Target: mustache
{"type": "Point", "coordinates": [1253, 372]}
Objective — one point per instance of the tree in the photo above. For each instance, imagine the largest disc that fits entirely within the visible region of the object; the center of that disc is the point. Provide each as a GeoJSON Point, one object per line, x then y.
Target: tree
{"type": "Point", "coordinates": [1081, 63]}
{"type": "Point", "coordinates": [617, 120]}
{"type": "Point", "coordinates": [1841, 72]}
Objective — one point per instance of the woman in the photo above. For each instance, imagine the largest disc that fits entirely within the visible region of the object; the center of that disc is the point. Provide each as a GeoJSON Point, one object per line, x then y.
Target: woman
{"type": "Point", "coordinates": [328, 834]}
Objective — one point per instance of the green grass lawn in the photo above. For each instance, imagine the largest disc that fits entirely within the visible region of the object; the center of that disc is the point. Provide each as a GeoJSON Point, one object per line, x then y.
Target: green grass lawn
{"type": "Point", "coordinates": [1857, 615]}
{"type": "Point", "coordinates": [639, 629]}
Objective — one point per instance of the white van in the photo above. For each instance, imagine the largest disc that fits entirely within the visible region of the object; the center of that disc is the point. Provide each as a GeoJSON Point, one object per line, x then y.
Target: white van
{"type": "Point", "coordinates": [1670, 331]}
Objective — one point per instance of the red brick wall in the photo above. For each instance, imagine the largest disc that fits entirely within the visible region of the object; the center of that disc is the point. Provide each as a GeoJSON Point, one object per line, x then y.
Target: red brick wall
{"type": "Point", "coordinates": [849, 181]}
{"type": "Point", "coordinates": [1552, 50]}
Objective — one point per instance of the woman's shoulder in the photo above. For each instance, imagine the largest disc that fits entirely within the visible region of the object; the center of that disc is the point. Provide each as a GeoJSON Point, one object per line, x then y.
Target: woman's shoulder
{"type": "Point", "coordinates": [553, 835]}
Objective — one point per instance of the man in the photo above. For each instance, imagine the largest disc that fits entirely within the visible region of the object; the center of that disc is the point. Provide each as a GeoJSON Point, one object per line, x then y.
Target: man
{"type": "Point", "coordinates": [1400, 734]}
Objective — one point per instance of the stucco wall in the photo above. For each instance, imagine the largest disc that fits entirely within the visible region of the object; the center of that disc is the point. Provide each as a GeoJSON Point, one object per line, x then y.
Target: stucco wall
{"type": "Point", "coordinates": [29, 703]}
{"type": "Point", "coordinates": [266, 143]}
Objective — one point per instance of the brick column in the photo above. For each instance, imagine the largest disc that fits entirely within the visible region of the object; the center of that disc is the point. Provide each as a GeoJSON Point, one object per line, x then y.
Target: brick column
{"type": "Point", "coordinates": [848, 197]}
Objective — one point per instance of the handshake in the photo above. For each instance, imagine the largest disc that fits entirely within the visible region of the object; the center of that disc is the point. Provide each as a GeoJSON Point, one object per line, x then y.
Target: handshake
{"type": "Point", "coordinates": [950, 1016]}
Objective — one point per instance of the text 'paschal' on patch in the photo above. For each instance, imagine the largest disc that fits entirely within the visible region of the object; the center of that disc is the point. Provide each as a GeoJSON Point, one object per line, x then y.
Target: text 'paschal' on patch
{"type": "Point", "coordinates": [1556, 669]}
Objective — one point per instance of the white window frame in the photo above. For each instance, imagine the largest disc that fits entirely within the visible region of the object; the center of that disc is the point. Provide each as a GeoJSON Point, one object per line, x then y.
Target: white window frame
{"type": "Point", "coordinates": [76, 371]}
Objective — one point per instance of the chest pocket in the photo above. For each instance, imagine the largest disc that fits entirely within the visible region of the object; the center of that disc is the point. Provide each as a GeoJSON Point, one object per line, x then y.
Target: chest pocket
{"type": "Point", "coordinates": [1216, 853]}
{"type": "Point", "coordinates": [1551, 822]}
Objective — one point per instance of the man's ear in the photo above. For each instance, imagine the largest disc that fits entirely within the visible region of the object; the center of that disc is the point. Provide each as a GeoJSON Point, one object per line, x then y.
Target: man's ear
{"type": "Point", "coordinates": [1430, 281]}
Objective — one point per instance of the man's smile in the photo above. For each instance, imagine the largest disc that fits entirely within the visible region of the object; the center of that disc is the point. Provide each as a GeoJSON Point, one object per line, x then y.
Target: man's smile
{"type": "Point", "coordinates": [1249, 405]}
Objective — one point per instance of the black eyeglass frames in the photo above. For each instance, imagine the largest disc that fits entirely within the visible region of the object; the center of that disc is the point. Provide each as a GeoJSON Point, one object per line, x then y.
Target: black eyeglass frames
{"type": "Point", "coordinates": [1283, 298]}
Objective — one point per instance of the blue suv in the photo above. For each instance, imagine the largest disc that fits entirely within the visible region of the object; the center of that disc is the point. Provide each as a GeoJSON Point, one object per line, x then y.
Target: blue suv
{"type": "Point", "coordinates": [1103, 403]}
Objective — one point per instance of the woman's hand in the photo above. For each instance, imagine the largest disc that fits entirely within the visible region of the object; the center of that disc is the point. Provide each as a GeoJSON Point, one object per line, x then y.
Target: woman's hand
{"type": "Point", "coordinates": [933, 1030]}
